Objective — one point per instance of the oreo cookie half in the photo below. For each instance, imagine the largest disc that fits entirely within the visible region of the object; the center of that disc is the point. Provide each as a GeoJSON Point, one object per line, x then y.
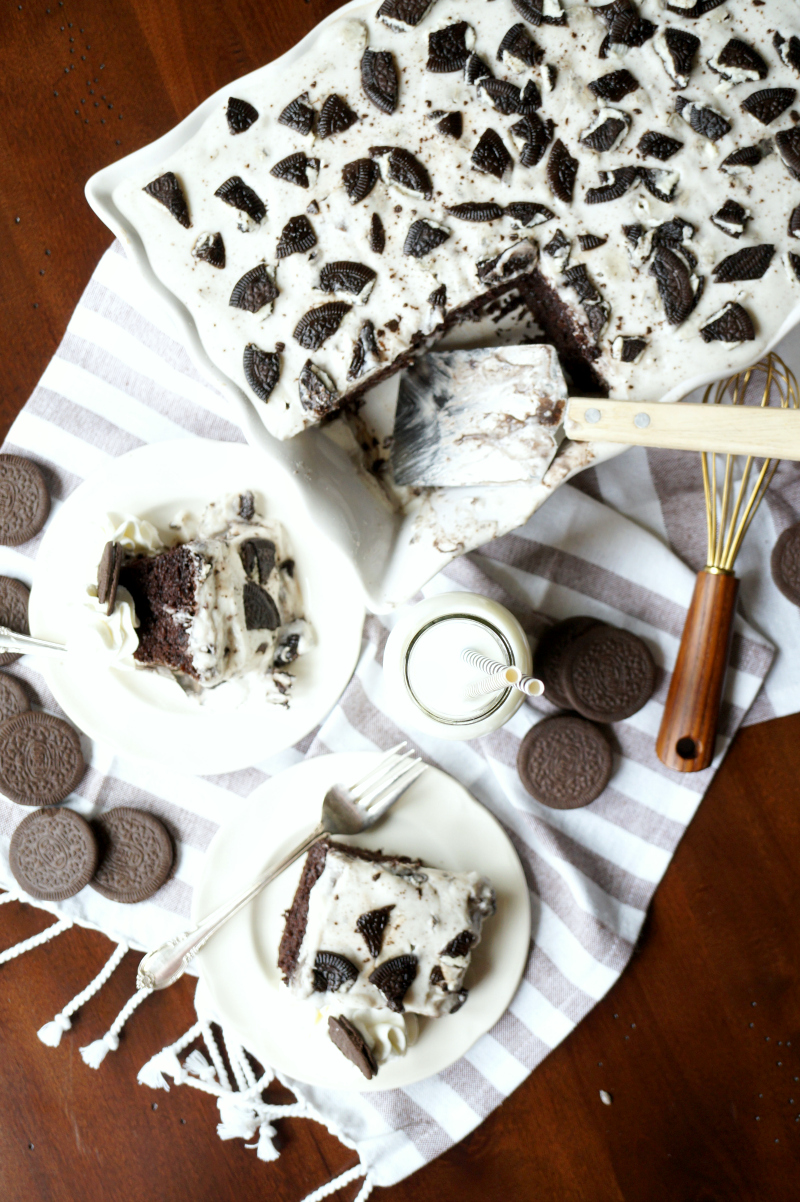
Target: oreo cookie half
{"type": "Point", "coordinates": [551, 652]}
{"type": "Point", "coordinates": [352, 1044]}
{"type": "Point", "coordinates": [136, 854]}
{"type": "Point", "coordinates": [13, 612]}
{"type": "Point", "coordinates": [564, 762]}
{"type": "Point", "coordinates": [41, 761]}
{"type": "Point", "coordinates": [24, 500]}
{"type": "Point", "coordinates": [785, 563]}
{"type": "Point", "coordinates": [608, 674]}
{"type": "Point", "coordinates": [53, 854]}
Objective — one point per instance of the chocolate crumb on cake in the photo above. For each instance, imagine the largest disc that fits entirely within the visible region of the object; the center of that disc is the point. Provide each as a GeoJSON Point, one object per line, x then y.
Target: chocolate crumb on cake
{"type": "Point", "coordinates": [415, 131]}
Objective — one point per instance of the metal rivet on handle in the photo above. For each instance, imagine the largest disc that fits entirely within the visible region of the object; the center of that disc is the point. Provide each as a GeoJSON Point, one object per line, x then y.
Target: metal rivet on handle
{"type": "Point", "coordinates": [642, 421]}
{"type": "Point", "coordinates": [592, 415]}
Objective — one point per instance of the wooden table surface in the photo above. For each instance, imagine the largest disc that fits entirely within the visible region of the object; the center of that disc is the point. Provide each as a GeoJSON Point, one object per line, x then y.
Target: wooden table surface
{"type": "Point", "coordinates": [698, 1044]}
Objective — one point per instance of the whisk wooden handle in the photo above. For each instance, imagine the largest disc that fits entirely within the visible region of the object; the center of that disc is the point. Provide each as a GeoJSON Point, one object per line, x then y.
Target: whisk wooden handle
{"type": "Point", "coordinates": [689, 727]}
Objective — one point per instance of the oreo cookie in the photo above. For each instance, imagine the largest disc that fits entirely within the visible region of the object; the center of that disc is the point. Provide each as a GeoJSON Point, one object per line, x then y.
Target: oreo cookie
{"type": "Point", "coordinates": [24, 500]}
{"type": "Point", "coordinates": [352, 1044]}
{"type": "Point", "coordinates": [564, 762]}
{"type": "Point", "coordinates": [41, 761]}
{"type": "Point", "coordinates": [135, 857]}
{"type": "Point", "coordinates": [13, 698]}
{"type": "Point", "coordinates": [108, 571]}
{"type": "Point", "coordinates": [785, 564]}
{"type": "Point", "coordinates": [550, 655]}
{"type": "Point", "coordinates": [53, 854]}
{"type": "Point", "coordinates": [608, 674]}
{"type": "Point", "coordinates": [14, 597]}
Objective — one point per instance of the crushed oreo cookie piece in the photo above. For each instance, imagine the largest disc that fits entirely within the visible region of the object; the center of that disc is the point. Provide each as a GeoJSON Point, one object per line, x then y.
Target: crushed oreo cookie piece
{"type": "Point", "coordinates": [298, 115]}
{"type": "Point", "coordinates": [460, 946]}
{"type": "Point", "coordinates": [168, 192]}
{"type": "Point", "coordinates": [490, 155]}
{"type": "Point", "coordinates": [346, 1036]}
{"type": "Point", "coordinates": [731, 324]}
{"type": "Point", "coordinates": [528, 212]}
{"type": "Point", "coordinates": [746, 156]}
{"type": "Point", "coordinates": [794, 223]}
{"type": "Point", "coordinates": [260, 611]}
{"type": "Point", "coordinates": [768, 104]}
{"type": "Point", "coordinates": [504, 95]}
{"type": "Point", "coordinates": [591, 241]}
{"type": "Point", "coordinates": [562, 171]}
{"type": "Point", "coordinates": [359, 178]}
{"type": "Point", "coordinates": [294, 169]}
{"type": "Point", "coordinates": [794, 262]}
{"type": "Point", "coordinates": [788, 50]}
{"type": "Point", "coordinates": [451, 124]}
{"type": "Point", "coordinates": [449, 48]}
{"type": "Point", "coordinates": [476, 210]}
{"type": "Point", "coordinates": [739, 63]}
{"type": "Point", "coordinates": [258, 557]}
{"type": "Point", "coordinates": [614, 85]}
{"type": "Point", "coordinates": [335, 117]}
{"type": "Point", "coordinates": [346, 276]}
{"type": "Point", "coordinates": [659, 146]}
{"type": "Point", "coordinates": [613, 185]}
{"type": "Point", "coordinates": [558, 247]}
{"type": "Point", "coordinates": [379, 79]}
{"type": "Point", "coordinates": [287, 651]}
{"type": "Point", "coordinates": [607, 131]}
{"type": "Point", "coordinates": [372, 926]}
{"type": "Point", "coordinates": [703, 119]}
{"type": "Point", "coordinates": [332, 972]}
{"type": "Point", "coordinates": [628, 348]}
{"type": "Point", "coordinates": [541, 12]}
{"type": "Point", "coordinates": [240, 115]}
{"type": "Point", "coordinates": [239, 195]}
{"type": "Point", "coordinates": [732, 218]}
{"type": "Point", "coordinates": [788, 144]}
{"type": "Point", "coordinates": [659, 183]}
{"type": "Point", "coordinates": [677, 52]}
{"type": "Point", "coordinates": [423, 237]}
{"type": "Point", "coordinates": [365, 352]}
{"type": "Point", "coordinates": [694, 11]}
{"type": "Point", "coordinates": [316, 389]}
{"type": "Point", "coordinates": [319, 324]}
{"type": "Point", "coordinates": [108, 572]}
{"type": "Point", "coordinates": [518, 50]}
{"type": "Point", "coordinates": [674, 280]}
{"type": "Point", "coordinates": [626, 28]}
{"type": "Point", "coordinates": [475, 69]}
{"type": "Point", "coordinates": [749, 263]}
{"type": "Point", "coordinates": [530, 100]}
{"type": "Point", "coordinates": [262, 370]}
{"type": "Point", "coordinates": [297, 236]}
{"type": "Point", "coordinates": [532, 136]}
{"type": "Point", "coordinates": [210, 248]}
{"type": "Point", "coordinates": [254, 290]}
{"type": "Point", "coordinates": [403, 15]}
{"type": "Point", "coordinates": [394, 979]}
{"type": "Point", "coordinates": [517, 259]}
{"type": "Point", "coordinates": [401, 168]}
{"type": "Point", "coordinates": [377, 234]}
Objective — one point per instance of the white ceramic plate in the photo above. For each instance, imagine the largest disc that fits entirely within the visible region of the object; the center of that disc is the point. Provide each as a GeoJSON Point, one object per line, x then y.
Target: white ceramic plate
{"type": "Point", "coordinates": [143, 714]}
{"type": "Point", "coordinates": [438, 821]}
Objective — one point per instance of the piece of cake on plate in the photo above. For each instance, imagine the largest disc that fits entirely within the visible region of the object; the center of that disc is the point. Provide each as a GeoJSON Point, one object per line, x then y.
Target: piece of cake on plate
{"type": "Point", "coordinates": [380, 936]}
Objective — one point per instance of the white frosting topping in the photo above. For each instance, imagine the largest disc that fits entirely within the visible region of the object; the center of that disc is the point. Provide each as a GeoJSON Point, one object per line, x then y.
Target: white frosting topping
{"type": "Point", "coordinates": [96, 634]}
{"type": "Point", "coordinates": [397, 304]}
{"type": "Point", "coordinates": [430, 908]}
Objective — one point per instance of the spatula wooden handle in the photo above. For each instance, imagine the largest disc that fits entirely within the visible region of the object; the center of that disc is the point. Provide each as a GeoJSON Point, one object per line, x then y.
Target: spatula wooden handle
{"type": "Point", "coordinates": [769, 432]}
{"type": "Point", "coordinates": [689, 727]}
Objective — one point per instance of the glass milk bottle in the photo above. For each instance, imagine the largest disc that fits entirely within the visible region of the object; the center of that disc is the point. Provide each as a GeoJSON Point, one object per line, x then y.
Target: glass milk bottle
{"type": "Point", "coordinates": [432, 687]}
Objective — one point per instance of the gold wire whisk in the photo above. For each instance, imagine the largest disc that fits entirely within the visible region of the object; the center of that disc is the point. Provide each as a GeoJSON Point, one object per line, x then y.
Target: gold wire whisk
{"type": "Point", "coordinates": [731, 511]}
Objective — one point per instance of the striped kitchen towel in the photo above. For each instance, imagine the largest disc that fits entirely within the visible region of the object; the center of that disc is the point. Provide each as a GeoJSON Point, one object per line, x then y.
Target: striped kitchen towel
{"type": "Point", "coordinates": [119, 380]}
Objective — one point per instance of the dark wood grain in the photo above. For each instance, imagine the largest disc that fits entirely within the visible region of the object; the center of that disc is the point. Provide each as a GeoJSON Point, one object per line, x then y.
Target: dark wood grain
{"type": "Point", "coordinates": [698, 1044]}
{"type": "Point", "coordinates": [688, 732]}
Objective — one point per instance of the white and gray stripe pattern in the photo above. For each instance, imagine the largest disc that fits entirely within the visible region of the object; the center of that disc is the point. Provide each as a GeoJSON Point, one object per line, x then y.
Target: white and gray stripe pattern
{"type": "Point", "coordinates": [118, 381]}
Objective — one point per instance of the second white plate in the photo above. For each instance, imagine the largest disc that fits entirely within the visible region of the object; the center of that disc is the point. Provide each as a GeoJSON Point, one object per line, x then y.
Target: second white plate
{"type": "Point", "coordinates": [437, 821]}
{"type": "Point", "coordinates": [141, 713]}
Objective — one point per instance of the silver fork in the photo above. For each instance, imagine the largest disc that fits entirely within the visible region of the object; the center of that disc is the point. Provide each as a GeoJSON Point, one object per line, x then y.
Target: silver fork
{"type": "Point", "coordinates": [22, 644]}
{"type": "Point", "coordinates": [345, 811]}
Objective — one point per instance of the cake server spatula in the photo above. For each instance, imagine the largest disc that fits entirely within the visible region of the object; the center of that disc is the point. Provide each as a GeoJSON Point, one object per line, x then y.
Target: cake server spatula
{"type": "Point", "coordinates": [498, 415]}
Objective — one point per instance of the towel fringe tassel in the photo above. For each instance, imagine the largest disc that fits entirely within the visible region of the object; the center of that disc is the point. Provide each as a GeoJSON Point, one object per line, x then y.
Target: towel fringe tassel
{"type": "Point", "coordinates": [95, 1053]}
{"type": "Point", "coordinates": [51, 1032]}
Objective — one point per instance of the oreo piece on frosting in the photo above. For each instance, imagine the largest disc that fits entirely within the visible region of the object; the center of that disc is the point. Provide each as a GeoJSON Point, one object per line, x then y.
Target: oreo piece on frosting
{"type": "Point", "coordinates": [768, 104]}
{"type": "Point", "coordinates": [168, 192]}
{"type": "Point", "coordinates": [562, 171]}
{"type": "Point", "coordinates": [210, 248]}
{"type": "Point", "coordinates": [749, 263]}
{"type": "Point", "coordinates": [351, 1043]}
{"type": "Point", "coordinates": [297, 236]}
{"type": "Point", "coordinates": [262, 370]}
{"type": "Point", "coordinates": [108, 571]}
{"type": "Point", "coordinates": [53, 854]}
{"type": "Point", "coordinates": [608, 674]}
{"type": "Point", "coordinates": [379, 79]}
{"type": "Point", "coordinates": [240, 115]}
{"type": "Point", "coordinates": [41, 761]}
{"type": "Point", "coordinates": [239, 195]}
{"type": "Point", "coordinates": [13, 698]}
{"type": "Point", "coordinates": [785, 563]}
{"type": "Point", "coordinates": [298, 115]}
{"type": "Point", "coordinates": [135, 854]}
{"type": "Point", "coordinates": [564, 762]}
{"type": "Point", "coordinates": [404, 15]}
{"type": "Point", "coordinates": [14, 596]}
{"type": "Point", "coordinates": [731, 324]}
{"type": "Point", "coordinates": [24, 500]}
